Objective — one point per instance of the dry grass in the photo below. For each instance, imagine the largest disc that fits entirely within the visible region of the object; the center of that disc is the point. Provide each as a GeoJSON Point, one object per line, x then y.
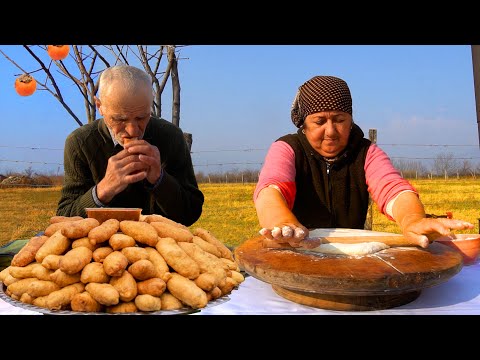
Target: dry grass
{"type": "Point", "coordinates": [25, 211]}
{"type": "Point", "coordinates": [461, 197]}
{"type": "Point", "coordinates": [228, 210]}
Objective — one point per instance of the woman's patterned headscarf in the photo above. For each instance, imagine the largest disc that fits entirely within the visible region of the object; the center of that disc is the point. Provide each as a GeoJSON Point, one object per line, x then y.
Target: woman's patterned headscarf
{"type": "Point", "coordinates": [321, 93]}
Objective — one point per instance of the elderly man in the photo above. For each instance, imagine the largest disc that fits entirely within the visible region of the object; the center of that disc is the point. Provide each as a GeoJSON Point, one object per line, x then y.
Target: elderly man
{"type": "Point", "coordinates": [129, 158]}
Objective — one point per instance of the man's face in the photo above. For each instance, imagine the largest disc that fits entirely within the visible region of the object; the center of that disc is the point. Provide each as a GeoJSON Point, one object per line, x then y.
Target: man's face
{"type": "Point", "coordinates": [126, 114]}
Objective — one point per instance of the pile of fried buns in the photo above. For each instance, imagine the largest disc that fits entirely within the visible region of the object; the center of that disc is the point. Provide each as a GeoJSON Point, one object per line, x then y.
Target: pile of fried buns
{"type": "Point", "coordinates": [153, 264]}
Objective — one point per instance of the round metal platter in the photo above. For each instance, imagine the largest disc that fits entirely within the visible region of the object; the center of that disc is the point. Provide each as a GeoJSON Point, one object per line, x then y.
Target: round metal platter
{"type": "Point", "coordinates": [182, 311]}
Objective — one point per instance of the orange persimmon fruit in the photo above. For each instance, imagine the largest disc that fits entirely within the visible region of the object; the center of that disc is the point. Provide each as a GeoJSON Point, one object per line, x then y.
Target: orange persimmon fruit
{"type": "Point", "coordinates": [25, 85]}
{"type": "Point", "coordinates": [58, 52]}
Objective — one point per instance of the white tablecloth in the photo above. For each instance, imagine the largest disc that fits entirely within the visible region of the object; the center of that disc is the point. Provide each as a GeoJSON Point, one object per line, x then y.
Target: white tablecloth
{"type": "Point", "coordinates": [460, 295]}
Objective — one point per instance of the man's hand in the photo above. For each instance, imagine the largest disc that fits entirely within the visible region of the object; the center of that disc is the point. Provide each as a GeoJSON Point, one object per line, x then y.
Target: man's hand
{"type": "Point", "coordinates": [137, 161]}
{"type": "Point", "coordinates": [149, 155]}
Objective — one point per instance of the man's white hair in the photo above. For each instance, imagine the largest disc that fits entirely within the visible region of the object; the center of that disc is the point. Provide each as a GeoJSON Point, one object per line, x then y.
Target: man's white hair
{"type": "Point", "coordinates": [131, 76]}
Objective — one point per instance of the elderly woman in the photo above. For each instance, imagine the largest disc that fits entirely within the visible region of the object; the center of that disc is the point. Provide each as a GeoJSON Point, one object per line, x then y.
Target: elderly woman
{"type": "Point", "coordinates": [322, 176]}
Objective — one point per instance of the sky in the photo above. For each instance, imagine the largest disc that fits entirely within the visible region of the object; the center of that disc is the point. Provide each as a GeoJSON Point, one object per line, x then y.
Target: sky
{"type": "Point", "coordinates": [236, 99]}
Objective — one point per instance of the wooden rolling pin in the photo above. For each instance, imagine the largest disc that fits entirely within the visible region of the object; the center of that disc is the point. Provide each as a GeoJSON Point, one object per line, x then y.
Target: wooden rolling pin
{"type": "Point", "coordinates": [390, 240]}
{"type": "Point", "coordinates": [309, 243]}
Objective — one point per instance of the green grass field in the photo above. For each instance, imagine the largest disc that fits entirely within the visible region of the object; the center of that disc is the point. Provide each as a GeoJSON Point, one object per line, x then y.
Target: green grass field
{"type": "Point", "coordinates": [228, 211]}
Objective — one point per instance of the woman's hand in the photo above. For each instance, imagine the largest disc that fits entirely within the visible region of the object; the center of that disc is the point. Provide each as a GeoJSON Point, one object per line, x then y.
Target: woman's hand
{"type": "Point", "coordinates": [425, 230]}
{"type": "Point", "coordinates": [286, 235]}
{"type": "Point", "coordinates": [409, 213]}
{"type": "Point", "coordinates": [280, 227]}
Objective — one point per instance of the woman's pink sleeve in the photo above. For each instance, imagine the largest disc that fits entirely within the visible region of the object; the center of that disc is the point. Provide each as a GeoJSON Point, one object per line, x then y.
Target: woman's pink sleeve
{"type": "Point", "coordinates": [279, 170]}
{"type": "Point", "coordinates": [383, 180]}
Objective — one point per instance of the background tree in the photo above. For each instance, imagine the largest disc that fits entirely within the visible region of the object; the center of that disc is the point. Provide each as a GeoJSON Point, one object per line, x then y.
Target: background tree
{"type": "Point", "coordinates": [410, 168]}
{"type": "Point", "coordinates": [82, 65]}
{"type": "Point", "coordinates": [467, 168]}
{"type": "Point", "coordinates": [445, 164]}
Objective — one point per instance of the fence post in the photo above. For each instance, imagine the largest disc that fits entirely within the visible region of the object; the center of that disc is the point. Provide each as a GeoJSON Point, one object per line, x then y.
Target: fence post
{"type": "Point", "coordinates": [189, 140]}
{"type": "Point", "coordinates": [372, 135]}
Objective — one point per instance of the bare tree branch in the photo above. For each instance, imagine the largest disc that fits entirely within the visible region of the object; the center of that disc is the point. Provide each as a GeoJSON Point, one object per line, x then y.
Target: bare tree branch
{"type": "Point", "coordinates": [175, 86]}
{"type": "Point", "coordinates": [107, 64]}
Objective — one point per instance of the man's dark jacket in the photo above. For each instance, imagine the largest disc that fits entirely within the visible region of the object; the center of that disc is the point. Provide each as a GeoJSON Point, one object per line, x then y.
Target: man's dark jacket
{"type": "Point", "coordinates": [86, 154]}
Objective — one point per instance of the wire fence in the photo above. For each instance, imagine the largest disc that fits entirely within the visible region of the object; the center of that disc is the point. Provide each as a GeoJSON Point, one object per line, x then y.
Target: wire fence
{"type": "Point", "coordinates": [42, 167]}
{"type": "Point", "coordinates": [243, 165]}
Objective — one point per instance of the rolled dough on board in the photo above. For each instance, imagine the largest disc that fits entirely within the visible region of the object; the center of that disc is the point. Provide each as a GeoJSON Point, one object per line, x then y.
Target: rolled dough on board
{"type": "Point", "coordinates": [357, 249]}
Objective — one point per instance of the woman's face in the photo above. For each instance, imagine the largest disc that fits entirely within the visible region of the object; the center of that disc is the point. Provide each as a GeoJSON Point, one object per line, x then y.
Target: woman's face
{"type": "Point", "coordinates": [328, 131]}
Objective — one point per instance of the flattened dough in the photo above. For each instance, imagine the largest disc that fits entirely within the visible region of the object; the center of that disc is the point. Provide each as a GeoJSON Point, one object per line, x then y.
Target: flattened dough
{"type": "Point", "coordinates": [358, 249]}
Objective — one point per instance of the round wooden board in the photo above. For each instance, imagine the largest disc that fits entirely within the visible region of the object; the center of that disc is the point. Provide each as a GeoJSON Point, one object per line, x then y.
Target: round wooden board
{"type": "Point", "coordinates": [389, 278]}
{"type": "Point", "coordinates": [346, 302]}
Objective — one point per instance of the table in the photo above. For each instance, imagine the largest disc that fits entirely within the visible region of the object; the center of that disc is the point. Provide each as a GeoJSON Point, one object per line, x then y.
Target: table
{"type": "Point", "coordinates": [460, 295]}
{"type": "Point", "coordinates": [386, 279]}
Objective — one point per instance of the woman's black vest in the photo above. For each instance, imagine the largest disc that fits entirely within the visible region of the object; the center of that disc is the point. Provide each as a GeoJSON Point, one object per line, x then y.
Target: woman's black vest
{"type": "Point", "coordinates": [335, 195]}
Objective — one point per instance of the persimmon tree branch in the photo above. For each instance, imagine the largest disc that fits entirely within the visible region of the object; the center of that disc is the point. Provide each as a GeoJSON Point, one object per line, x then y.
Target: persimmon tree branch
{"type": "Point", "coordinates": [57, 94]}
{"type": "Point", "coordinates": [84, 64]}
